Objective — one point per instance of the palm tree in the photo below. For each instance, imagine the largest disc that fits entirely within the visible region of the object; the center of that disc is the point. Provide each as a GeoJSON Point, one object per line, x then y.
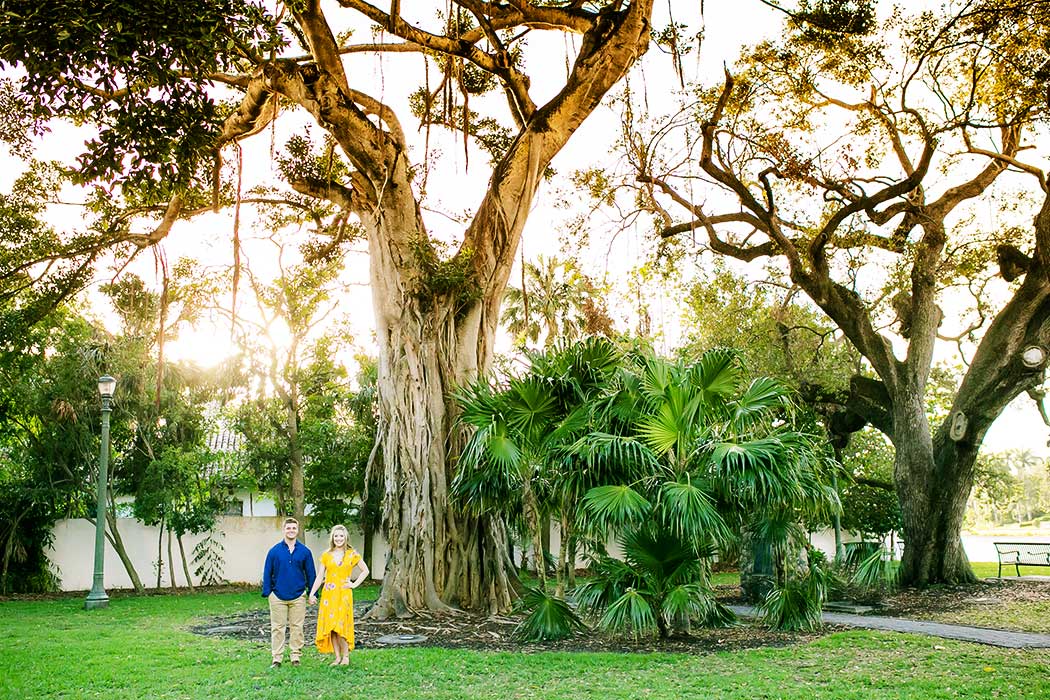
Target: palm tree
{"type": "Point", "coordinates": [551, 303]}
{"type": "Point", "coordinates": [707, 453]}
{"type": "Point", "coordinates": [516, 461]}
{"type": "Point", "coordinates": [668, 457]}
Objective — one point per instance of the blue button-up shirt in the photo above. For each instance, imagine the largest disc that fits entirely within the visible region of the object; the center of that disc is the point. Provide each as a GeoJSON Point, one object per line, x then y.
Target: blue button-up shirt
{"type": "Point", "coordinates": [287, 573]}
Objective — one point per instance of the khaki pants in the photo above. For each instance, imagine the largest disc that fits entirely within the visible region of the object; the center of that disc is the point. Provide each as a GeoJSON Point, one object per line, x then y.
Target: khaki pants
{"type": "Point", "coordinates": [290, 614]}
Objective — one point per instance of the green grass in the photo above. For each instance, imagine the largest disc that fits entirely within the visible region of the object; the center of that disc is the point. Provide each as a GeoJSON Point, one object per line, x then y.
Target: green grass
{"type": "Point", "coordinates": [140, 648]}
{"type": "Point", "coordinates": [725, 578]}
{"type": "Point", "coordinates": [1026, 616]}
{"type": "Point", "coordinates": [990, 569]}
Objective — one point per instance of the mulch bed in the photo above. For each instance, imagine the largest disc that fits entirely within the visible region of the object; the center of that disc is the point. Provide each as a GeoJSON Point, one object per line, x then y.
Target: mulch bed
{"type": "Point", "coordinates": [916, 603]}
{"type": "Point", "coordinates": [496, 633]}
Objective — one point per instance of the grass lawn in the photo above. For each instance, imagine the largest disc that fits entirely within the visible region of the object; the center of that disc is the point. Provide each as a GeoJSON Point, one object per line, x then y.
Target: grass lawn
{"type": "Point", "coordinates": [140, 648]}
{"type": "Point", "coordinates": [990, 569]}
{"type": "Point", "coordinates": [725, 578]}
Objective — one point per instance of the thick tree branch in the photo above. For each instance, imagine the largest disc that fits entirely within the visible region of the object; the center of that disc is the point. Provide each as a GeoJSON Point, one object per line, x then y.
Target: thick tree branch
{"type": "Point", "coordinates": [840, 303]}
{"type": "Point", "coordinates": [609, 48]}
{"type": "Point", "coordinates": [817, 254]}
{"type": "Point", "coordinates": [171, 215]}
{"type": "Point", "coordinates": [255, 111]}
{"type": "Point", "coordinates": [952, 197]}
{"type": "Point", "coordinates": [321, 40]}
{"type": "Point", "coordinates": [1007, 158]}
{"type": "Point", "coordinates": [515, 82]}
{"type": "Point", "coordinates": [339, 195]}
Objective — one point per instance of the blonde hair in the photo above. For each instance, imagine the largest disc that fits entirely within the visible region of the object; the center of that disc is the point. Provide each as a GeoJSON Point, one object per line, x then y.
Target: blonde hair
{"type": "Point", "coordinates": [331, 538]}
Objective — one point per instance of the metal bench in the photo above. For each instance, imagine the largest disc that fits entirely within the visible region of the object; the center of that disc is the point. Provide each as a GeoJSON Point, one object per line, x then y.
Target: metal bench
{"type": "Point", "coordinates": [1022, 554]}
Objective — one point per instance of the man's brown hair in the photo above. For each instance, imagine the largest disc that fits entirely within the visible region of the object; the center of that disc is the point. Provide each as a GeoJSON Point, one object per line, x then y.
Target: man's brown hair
{"type": "Point", "coordinates": [290, 520]}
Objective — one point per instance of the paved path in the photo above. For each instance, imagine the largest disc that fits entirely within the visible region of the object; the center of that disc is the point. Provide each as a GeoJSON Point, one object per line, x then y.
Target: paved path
{"type": "Point", "coordinates": [979, 635]}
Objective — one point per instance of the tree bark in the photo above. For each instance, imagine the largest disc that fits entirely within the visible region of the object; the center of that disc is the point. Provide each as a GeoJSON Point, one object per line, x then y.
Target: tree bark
{"type": "Point", "coordinates": [539, 525]}
{"type": "Point", "coordinates": [171, 565]}
{"type": "Point", "coordinates": [933, 485]}
{"type": "Point", "coordinates": [295, 464]}
{"type": "Point", "coordinates": [564, 565]}
{"type": "Point", "coordinates": [9, 548]}
{"type": "Point", "coordinates": [185, 564]}
{"type": "Point", "coordinates": [160, 552]}
{"type": "Point", "coordinates": [438, 557]}
{"type": "Point", "coordinates": [935, 476]}
{"type": "Point", "coordinates": [118, 547]}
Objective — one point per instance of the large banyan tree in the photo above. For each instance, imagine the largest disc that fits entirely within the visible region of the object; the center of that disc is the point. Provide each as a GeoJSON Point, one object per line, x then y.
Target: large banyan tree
{"type": "Point", "coordinates": [173, 86]}
{"type": "Point", "coordinates": [853, 160]}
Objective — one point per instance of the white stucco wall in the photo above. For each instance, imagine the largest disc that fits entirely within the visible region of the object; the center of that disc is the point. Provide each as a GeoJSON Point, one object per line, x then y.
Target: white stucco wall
{"type": "Point", "coordinates": [245, 539]}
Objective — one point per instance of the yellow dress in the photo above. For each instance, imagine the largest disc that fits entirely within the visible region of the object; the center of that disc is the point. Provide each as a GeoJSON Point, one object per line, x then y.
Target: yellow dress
{"type": "Point", "coordinates": [336, 612]}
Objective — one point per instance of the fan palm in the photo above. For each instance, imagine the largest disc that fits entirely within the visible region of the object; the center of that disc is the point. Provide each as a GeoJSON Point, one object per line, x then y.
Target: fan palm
{"type": "Point", "coordinates": [550, 303]}
{"type": "Point", "coordinates": [501, 467]}
{"type": "Point", "coordinates": [703, 449]}
{"type": "Point", "coordinates": [515, 460]}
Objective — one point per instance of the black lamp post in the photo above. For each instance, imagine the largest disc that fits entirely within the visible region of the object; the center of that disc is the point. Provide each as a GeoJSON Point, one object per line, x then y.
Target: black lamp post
{"type": "Point", "coordinates": [97, 598]}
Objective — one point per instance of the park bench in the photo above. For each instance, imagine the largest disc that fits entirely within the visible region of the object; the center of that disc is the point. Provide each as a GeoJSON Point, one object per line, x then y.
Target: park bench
{"type": "Point", "coordinates": [1022, 554]}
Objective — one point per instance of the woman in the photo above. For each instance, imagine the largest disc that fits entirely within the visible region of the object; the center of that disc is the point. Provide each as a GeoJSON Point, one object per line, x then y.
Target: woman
{"type": "Point", "coordinates": [335, 617]}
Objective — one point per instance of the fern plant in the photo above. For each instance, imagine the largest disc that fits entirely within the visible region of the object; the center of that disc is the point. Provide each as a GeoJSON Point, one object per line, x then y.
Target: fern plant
{"type": "Point", "coordinates": [208, 559]}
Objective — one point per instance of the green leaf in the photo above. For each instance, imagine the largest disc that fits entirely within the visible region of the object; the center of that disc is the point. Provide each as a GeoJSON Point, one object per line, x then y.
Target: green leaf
{"type": "Point", "coordinates": [610, 507]}
{"type": "Point", "coordinates": [630, 613]}
{"type": "Point", "coordinates": [547, 617]}
{"type": "Point", "coordinates": [691, 513]}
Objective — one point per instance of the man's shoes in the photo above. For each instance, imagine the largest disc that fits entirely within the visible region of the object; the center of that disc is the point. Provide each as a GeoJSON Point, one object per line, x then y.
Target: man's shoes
{"type": "Point", "coordinates": [295, 662]}
{"type": "Point", "coordinates": [275, 664]}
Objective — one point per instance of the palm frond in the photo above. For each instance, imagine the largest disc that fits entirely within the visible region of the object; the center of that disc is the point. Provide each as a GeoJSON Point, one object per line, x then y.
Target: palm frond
{"type": "Point", "coordinates": [876, 572]}
{"type": "Point", "coordinates": [717, 372]}
{"type": "Point", "coordinates": [480, 403]}
{"type": "Point", "coordinates": [480, 485]}
{"type": "Point", "coordinates": [692, 514]}
{"type": "Point", "coordinates": [797, 604]}
{"type": "Point", "coordinates": [630, 613]}
{"type": "Point", "coordinates": [615, 507]}
{"type": "Point", "coordinates": [792, 607]}
{"type": "Point", "coordinates": [547, 617]}
{"type": "Point", "coordinates": [689, 601]}
{"type": "Point", "coordinates": [502, 450]}
{"type": "Point", "coordinates": [613, 457]}
{"type": "Point", "coordinates": [660, 556]}
{"type": "Point", "coordinates": [663, 431]}
{"type": "Point", "coordinates": [761, 396]}
{"type": "Point", "coordinates": [655, 377]}
{"type": "Point", "coordinates": [610, 579]}
{"type": "Point", "coordinates": [718, 615]}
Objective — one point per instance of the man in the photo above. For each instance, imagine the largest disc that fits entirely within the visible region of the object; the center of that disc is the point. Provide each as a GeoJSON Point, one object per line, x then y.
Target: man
{"type": "Point", "coordinates": [288, 571]}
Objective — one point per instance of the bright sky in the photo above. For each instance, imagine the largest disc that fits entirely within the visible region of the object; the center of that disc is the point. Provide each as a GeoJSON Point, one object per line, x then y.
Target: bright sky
{"type": "Point", "coordinates": [208, 238]}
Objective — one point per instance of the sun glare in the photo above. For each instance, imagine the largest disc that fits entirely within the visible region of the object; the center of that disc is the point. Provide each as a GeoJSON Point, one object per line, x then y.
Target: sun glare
{"type": "Point", "coordinates": [207, 345]}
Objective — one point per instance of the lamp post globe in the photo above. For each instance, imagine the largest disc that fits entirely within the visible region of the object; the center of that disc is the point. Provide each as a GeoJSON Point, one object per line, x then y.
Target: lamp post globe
{"type": "Point", "coordinates": [97, 597]}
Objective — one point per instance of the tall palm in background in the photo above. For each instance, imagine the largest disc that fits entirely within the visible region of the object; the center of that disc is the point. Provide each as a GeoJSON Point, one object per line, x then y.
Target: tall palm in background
{"type": "Point", "coordinates": [551, 303]}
